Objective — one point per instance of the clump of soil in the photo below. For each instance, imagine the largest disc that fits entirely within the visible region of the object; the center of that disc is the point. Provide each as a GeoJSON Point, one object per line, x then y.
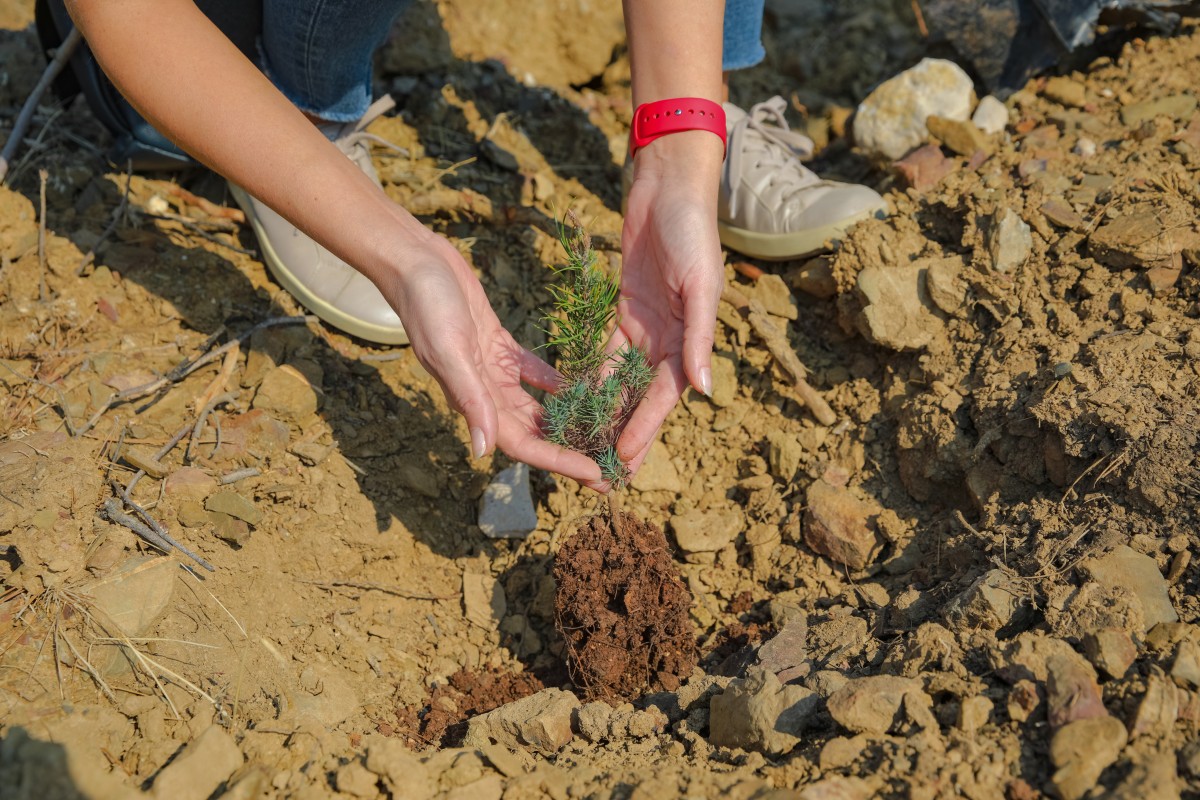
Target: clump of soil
{"type": "Point", "coordinates": [622, 609]}
{"type": "Point", "coordinates": [468, 693]}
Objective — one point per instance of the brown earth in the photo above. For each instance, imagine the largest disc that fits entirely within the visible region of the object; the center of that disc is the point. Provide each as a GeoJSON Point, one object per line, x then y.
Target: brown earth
{"type": "Point", "coordinates": [1022, 484]}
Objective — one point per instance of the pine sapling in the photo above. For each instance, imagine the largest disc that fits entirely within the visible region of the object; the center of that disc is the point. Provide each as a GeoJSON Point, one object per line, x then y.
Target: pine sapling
{"type": "Point", "coordinates": [600, 390]}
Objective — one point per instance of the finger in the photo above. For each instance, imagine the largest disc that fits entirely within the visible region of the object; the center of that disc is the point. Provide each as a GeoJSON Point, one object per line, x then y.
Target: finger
{"type": "Point", "coordinates": [699, 324]}
{"type": "Point", "coordinates": [635, 463]}
{"type": "Point", "coordinates": [535, 452]}
{"type": "Point", "coordinates": [661, 397]}
{"type": "Point", "coordinates": [468, 395]}
{"type": "Point", "coordinates": [538, 373]}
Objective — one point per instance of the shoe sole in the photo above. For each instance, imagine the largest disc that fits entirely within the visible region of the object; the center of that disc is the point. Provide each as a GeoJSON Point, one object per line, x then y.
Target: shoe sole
{"type": "Point", "coordinates": [322, 308]}
{"type": "Point", "coordinates": [789, 246]}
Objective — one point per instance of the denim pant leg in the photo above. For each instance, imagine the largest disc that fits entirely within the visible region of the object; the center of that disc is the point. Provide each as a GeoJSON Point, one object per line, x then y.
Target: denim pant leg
{"type": "Point", "coordinates": [319, 52]}
{"type": "Point", "coordinates": [742, 46]}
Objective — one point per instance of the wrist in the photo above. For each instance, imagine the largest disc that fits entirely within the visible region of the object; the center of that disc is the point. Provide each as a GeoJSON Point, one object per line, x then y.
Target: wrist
{"type": "Point", "coordinates": [691, 158]}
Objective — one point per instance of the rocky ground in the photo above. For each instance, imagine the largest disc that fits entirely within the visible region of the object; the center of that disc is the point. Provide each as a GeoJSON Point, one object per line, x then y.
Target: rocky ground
{"type": "Point", "coordinates": [976, 582]}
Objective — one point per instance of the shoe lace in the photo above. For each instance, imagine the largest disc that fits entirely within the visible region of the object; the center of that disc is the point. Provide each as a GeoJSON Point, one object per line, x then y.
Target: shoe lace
{"type": "Point", "coordinates": [764, 135]}
{"type": "Point", "coordinates": [357, 136]}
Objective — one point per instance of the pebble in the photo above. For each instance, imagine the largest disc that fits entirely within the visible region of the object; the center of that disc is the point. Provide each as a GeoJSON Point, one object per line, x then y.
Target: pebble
{"type": "Point", "coordinates": [1084, 147]}
{"type": "Point", "coordinates": [356, 780]}
{"type": "Point", "coordinates": [484, 602]}
{"type": "Point", "coordinates": [990, 602]}
{"type": "Point", "coordinates": [840, 526]}
{"type": "Point", "coordinates": [229, 529]}
{"type": "Point", "coordinates": [1185, 669]}
{"type": "Point", "coordinates": [873, 704]}
{"type": "Point", "coordinates": [287, 394]}
{"type": "Point", "coordinates": [891, 120]}
{"type": "Point", "coordinates": [706, 531]}
{"type": "Point", "coordinates": [1126, 568]}
{"type": "Point", "coordinates": [657, 472]}
{"type": "Point", "coordinates": [1176, 106]}
{"type": "Point", "coordinates": [592, 720]}
{"type": "Point", "coordinates": [1158, 709]}
{"type": "Point", "coordinates": [540, 721]}
{"type": "Point", "coordinates": [896, 309]}
{"type": "Point", "coordinates": [136, 594]}
{"type": "Point", "coordinates": [759, 713]}
{"type": "Point", "coordinates": [400, 768]}
{"type": "Point", "coordinates": [1081, 751]}
{"type": "Point", "coordinates": [207, 762]}
{"type": "Point", "coordinates": [944, 282]}
{"type": "Point", "coordinates": [1072, 692]}
{"type": "Point", "coordinates": [141, 459]}
{"type": "Point", "coordinates": [1065, 91]}
{"type": "Point", "coordinates": [1061, 214]}
{"type": "Point", "coordinates": [924, 168]}
{"type": "Point", "coordinates": [191, 514]}
{"type": "Point", "coordinates": [785, 654]}
{"type": "Point", "coordinates": [725, 382]}
{"type": "Point", "coordinates": [506, 508]}
{"type": "Point", "coordinates": [1009, 241]}
{"type": "Point", "coordinates": [1139, 239]}
{"type": "Point", "coordinates": [973, 713]}
{"type": "Point", "coordinates": [991, 115]}
{"type": "Point", "coordinates": [234, 505]}
{"type": "Point", "coordinates": [189, 483]}
{"type": "Point", "coordinates": [784, 453]}
{"type": "Point", "coordinates": [773, 293]}
{"type": "Point", "coordinates": [961, 136]}
{"type": "Point", "coordinates": [1111, 650]}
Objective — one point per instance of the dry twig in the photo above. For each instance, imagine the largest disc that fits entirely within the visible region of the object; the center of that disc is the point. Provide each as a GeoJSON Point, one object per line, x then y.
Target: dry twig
{"type": "Point", "coordinates": [61, 56]}
{"type": "Point", "coordinates": [376, 587]}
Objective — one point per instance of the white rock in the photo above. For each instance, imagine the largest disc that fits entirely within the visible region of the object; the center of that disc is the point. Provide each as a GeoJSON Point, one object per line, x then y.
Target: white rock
{"type": "Point", "coordinates": [991, 116]}
{"type": "Point", "coordinates": [1009, 241]}
{"type": "Point", "coordinates": [891, 121]}
{"type": "Point", "coordinates": [506, 509]}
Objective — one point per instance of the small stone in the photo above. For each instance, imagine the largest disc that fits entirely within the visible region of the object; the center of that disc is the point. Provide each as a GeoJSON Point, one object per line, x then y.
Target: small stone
{"type": "Point", "coordinates": [1153, 776]}
{"type": "Point", "coordinates": [484, 602]}
{"type": "Point", "coordinates": [143, 460]}
{"type": "Point", "coordinates": [311, 453]}
{"type": "Point", "coordinates": [725, 382]}
{"type": "Point", "coordinates": [1065, 91]}
{"type": "Point", "coordinates": [896, 309]}
{"type": "Point", "coordinates": [189, 483]}
{"type": "Point", "coordinates": [1061, 214]}
{"type": "Point", "coordinates": [961, 136]}
{"type": "Point", "coordinates": [1185, 669]}
{"type": "Point", "coordinates": [647, 723]}
{"type": "Point", "coordinates": [593, 721]}
{"type": "Point", "coordinates": [873, 704]}
{"type": "Point", "coordinates": [973, 713]}
{"type": "Point", "coordinates": [784, 454]}
{"type": "Point", "coordinates": [842, 751]}
{"type": "Point", "coordinates": [759, 713]}
{"type": "Point", "coordinates": [1084, 147]}
{"type": "Point", "coordinates": [1081, 751]}
{"type": "Point", "coordinates": [775, 296]}
{"type": "Point", "coordinates": [136, 594]}
{"type": "Point", "coordinates": [1022, 701]}
{"type": "Point", "coordinates": [706, 531]}
{"type": "Point", "coordinates": [356, 780]}
{"type": "Point", "coordinates": [540, 721]}
{"type": "Point", "coordinates": [504, 760]}
{"type": "Point", "coordinates": [924, 168]}
{"type": "Point", "coordinates": [1176, 106]}
{"type": "Point", "coordinates": [1125, 567]}
{"type": "Point", "coordinates": [1072, 693]}
{"type": "Point", "coordinates": [891, 120]}
{"type": "Point", "coordinates": [657, 472]}
{"type": "Point", "coordinates": [990, 602]}
{"type": "Point", "coordinates": [947, 289]}
{"type": "Point", "coordinates": [815, 277]}
{"type": "Point", "coordinates": [286, 393]}
{"type": "Point", "coordinates": [506, 509]}
{"type": "Point", "coordinates": [421, 478]}
{"type": "Point", "coordinates": [191, 514]}
{"type": "Point", "coordinates": [840, 526]}
{"type": "Point", "coordinates": [401, 769]}
{"type": "Point", "coordinates": [229, 529]}
{"type": "Point", "coordinates": [785, 654]}
{"type": "Point", "coordinates": [1141, 238]}
{"type": "Point", "coordinates": [234, 505]}
{"type": "Point", "coordinates": [991, 115]}
{"type": "Point", "coordinates": [1158, 709]}
{"type": "Point", "coordinates": [196, 773]}
{"type": "Point", "coordinates": [1009, 241]}
{"type": "Point", "coordinates": [1111, 650]}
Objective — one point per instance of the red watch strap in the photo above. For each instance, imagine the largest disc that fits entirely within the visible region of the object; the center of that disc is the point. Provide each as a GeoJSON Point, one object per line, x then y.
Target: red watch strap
{"type": "Point", "coordinates": [652, 120]}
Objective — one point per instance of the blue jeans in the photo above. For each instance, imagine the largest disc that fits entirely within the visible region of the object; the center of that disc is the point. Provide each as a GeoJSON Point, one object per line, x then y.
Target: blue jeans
{"type": "Point", "coordinates": [318, 52]}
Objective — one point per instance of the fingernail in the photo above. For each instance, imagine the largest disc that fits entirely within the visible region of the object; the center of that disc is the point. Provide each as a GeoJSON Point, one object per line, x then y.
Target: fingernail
{"type": "Point", "coordinates": [478, 442]}
{"type": "Point", "coordinates": [706, 381]}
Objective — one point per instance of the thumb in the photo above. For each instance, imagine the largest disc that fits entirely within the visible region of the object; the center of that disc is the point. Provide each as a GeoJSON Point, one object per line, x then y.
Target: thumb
{"type": "Point", "coordinates": [699, 323]}
{"type": "Point", "coordinates": [469, 396]}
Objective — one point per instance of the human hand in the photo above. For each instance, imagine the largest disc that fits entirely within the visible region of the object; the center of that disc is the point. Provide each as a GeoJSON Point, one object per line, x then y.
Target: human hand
{"type": "Point", "coordinates": [456, 335]}
{"type": "Point", "coordinates": [672, 276]}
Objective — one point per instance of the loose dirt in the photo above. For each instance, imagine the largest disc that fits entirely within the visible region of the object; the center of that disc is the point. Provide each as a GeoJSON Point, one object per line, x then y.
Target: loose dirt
{"type": "Point", "coordinates": [1019, 483]}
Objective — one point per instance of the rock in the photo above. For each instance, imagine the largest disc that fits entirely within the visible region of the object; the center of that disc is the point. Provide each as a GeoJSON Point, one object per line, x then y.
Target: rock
{"type": "Point", "coordinates": [229, 529]}
{"type": "Point", "coordinates": [356, 780]}
{"type": "Point", "coordinates": [1023, 701]}
{"type": "Point", "coordinates": [991, 115]}
{"type": "Point", "coordinates": [831, 788]}
{"type": "Point", "coordinates": [784, 453]}
{"type": "Point", "coordinates": [401, 770]}
{"type": "Point", "coordinates": [326, 695]}
{"type": "Point", "coordinates": [135, 594]}
{"type": "Point", "coordinates": [1158, 709]}
{"type": "Point", "coordinates": [593, 720]}
{"type": "Point", "coordinates": [540, 721]}
{"type": "Point", "coordinates": [644, 724]}
{"type": "Point", "coordinates": [815, 277]}
{"type": "Point", "coordinates": [506, 762]}
{"type": "Point", "coordinates": [1084, 147]}
{"type": "Point", "coordinates": [1124, 567]}
{"type": "Point", "coordinates": [140, 458]}
{"type": "Point", "coordinates": [842, 751]}
{"type": "Point", "coordinates": [207, 762]}
{"type": "Point", "coordinates": [759, 713]}
{"type": "Point", "coordinates": [785, 654]}
{"type": "Point", "coordinates": [1152, 776]}
{"type": "Point", "coordinates": [1075, 611]}
{"type": "Point", "coordinates": [311, 453]}
{"type": "Point", "coordinates": [1185, 669]}
{"type": "Point", "coordinates": [826, 681]}
{"type": "Point", "coordinates": [961, 136]}
{"type": "Point", "coordinates": [840, 526]}
{"type": "Point", "coordinates": [286, 393]}
{"type": "Point", "coordinates": [1175, 106]}
{"type": "Point", "coordinates": [1111, 650]}
{"type": "Point", "coordinates": [657, 472]}
{"type": "Point", "coordinates": [891, 120]}
{"type": "Point", "coordinates": [1061, 214]}
{"type": "Point", "coordinates": [484, 602]}
{"type": "Point", "coordinates": [924, 168]}
{"type": "Point", "coordinates": [255, 431]}
{"type": "Point", "coordinates": [234, 505]}
{"type": "Point", "coordinates": [1027, 655]}
{"type": "Point", "coordinates": [191, 514]}
{"type": "Point", "coordinates": [725, 382]}
{"type": "Point", "coordinates": [1142, 238]}
{"type": "Point", "coordinates": [973, 713]}
{"type": "Point", "coordinates": [1081, 751]}
{"type": "Point", "coordinates": [873, 704]}
{"type": "Point", "coordinates": [896, 309]}
{"type": "Point", "coordinates": [1065, 91]}
{"type": "Point", "coordinates": [990, 602]}
{"type": "Point", "coordinates": [773, 293]}
{"type": "Point", "coordinates": [1009, 241]}
{"type": "Point", "coordinates": [706, 531]}
{"type": "Point", "coordinates": [506, 509]}
{"type": "Point", "coordinates": [946, 287]}
{"type": "Point", "coordinates": [1072, 693]}
{"type": "Point", "coordinates": [189, 483]}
